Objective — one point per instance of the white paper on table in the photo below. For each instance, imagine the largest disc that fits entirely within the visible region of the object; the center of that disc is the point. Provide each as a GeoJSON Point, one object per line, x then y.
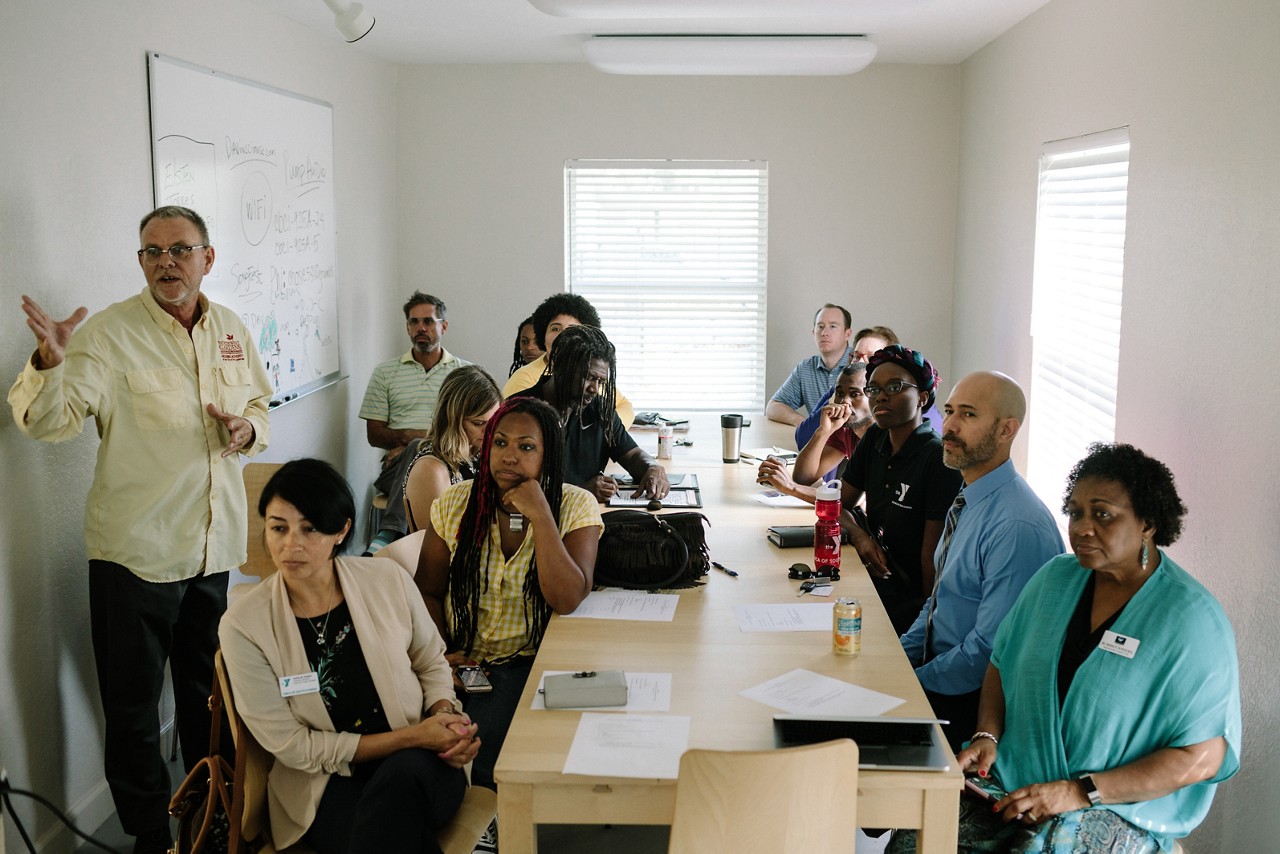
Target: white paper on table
{"type": "Point", "coordinates": [614, 604]}
{"type": "Point", "coordinates": [773, 498]}
{"type": "Point", "coordinates": [628, 746]}
{"type": "Point", "coordinates": [646, 692]}
{"type": "Point", "coordinates": [803, 692]}
{"type": "Point", "coordinates": [813, 617]}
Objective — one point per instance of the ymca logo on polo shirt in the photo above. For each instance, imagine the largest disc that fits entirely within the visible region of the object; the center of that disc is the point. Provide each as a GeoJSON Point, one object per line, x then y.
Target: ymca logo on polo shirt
{"type": "Point", "coordinates": [900, 496]}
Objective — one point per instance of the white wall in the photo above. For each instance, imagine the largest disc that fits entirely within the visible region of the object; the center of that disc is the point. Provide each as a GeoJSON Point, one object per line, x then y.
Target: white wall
{"type": "Point", "coordinates": [1198, 362]}
{"type": "Point", "coordinates": [75, 178]}
{"type": "Point", "coordinates": [862, 178]}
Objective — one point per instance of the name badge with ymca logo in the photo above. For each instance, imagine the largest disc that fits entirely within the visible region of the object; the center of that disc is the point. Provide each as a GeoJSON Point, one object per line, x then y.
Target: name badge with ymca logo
{"type": "Point", "coordinates": [1119, 644]}
{"type": "Point", "coordinates": [303, 683]}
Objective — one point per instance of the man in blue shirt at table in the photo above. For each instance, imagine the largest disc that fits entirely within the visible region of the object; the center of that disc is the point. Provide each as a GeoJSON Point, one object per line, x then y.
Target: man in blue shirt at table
{"type": "Point", "coordinates": [997, 534]}
{"type": "Point", "coordinates": [813, 377]}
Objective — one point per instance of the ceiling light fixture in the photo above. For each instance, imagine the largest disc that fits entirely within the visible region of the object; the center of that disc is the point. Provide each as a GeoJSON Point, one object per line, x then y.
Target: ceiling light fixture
{"type": "Point", "coordinates": [648, 9]}
{"type": "Point", "coordinates": [730, 55]}
{"type": "Point", "coordinates": [351, 19]}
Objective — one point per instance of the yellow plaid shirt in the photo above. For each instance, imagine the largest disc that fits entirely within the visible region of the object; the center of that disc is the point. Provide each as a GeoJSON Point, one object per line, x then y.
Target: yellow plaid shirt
{"type": "Point", "coordinates": [500, 624]}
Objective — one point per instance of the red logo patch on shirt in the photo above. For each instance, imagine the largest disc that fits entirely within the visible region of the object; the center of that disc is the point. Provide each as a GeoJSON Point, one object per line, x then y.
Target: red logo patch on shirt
{"type": "Point", "coordinates": [231, 350]}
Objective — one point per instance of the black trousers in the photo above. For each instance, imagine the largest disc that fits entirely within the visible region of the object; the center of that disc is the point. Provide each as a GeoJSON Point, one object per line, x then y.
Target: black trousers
{"type": "Point", "coordinates": [388, 806]}
{"type": "Point", "coordinates": [137, 625]}
{"type": "Point", "coordinates": [493, 712]}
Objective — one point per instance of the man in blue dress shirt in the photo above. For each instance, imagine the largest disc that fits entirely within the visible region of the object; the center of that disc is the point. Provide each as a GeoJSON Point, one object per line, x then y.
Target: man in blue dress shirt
{"type": "Point", "coordinates": [997, 534]}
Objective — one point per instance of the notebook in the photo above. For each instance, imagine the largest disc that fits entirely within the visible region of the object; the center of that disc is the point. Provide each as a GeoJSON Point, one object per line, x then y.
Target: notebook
{"type": "Point", "coordinates": [884, 744]}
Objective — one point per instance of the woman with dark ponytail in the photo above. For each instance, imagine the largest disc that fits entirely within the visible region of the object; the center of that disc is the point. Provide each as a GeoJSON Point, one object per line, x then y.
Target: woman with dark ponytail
{"type": "Point", "coordinates": [501, 554]}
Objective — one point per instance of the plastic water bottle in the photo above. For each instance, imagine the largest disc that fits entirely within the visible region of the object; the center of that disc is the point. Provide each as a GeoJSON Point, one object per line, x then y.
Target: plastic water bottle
{"type": "Point", "coordinates": [826, 531]}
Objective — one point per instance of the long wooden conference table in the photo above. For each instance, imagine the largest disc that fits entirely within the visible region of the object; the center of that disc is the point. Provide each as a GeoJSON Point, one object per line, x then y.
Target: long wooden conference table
{"type": "Point", "coordinates": [711, 661]}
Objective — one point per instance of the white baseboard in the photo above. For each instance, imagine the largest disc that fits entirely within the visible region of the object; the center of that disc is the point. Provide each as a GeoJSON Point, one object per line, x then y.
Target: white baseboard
{"type": "Point", "coordinates": [88, 814]}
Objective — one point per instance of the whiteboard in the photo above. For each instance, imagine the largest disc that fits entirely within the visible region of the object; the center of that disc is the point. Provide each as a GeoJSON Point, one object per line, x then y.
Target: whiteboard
{"type": "Point", "coordinates": [257, 164]}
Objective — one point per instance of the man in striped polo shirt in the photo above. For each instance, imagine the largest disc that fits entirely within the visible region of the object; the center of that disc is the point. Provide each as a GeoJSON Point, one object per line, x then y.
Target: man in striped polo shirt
{"type": "Point", "coordinates": [400, 402]}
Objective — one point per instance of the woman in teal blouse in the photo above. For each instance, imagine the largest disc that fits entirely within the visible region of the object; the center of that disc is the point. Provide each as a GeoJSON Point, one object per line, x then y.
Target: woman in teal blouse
{"type": "Point", "coordinates": [1111, 707]}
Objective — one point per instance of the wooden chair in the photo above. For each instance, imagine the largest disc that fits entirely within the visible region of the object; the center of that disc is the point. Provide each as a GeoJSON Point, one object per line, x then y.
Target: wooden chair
{"type": "Point", "coordinates": [405, 551]}
{"type": "Point", "coordinates": [253, 763]}
{"type": "Point", "coordinates": [794, 799]}
{"type": "Point", "coordinates": [256, 476]}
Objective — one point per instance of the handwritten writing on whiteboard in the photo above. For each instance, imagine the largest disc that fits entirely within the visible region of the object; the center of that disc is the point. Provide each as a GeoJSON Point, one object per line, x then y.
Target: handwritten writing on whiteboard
{"type": "Point", "coordinates": [257, 164]}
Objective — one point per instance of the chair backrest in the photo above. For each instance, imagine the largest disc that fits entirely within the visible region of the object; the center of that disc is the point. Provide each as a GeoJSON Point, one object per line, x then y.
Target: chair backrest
{"type": "Point", "coordinates": [793, 799]}
{"type": "Point", "coordinates": [256, 476]}
{"type": "Point", "coordinates": [405, 551]}
{"type": "Point", "coordinates": [255, 822]}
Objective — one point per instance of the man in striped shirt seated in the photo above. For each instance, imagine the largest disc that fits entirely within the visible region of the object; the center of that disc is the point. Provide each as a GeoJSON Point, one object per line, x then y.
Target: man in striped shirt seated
{"type": "Point", "coordinates": [400, 402]}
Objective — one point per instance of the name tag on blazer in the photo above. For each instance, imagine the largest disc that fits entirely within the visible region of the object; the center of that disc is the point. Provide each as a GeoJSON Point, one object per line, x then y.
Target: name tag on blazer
{"type": "Point", "coordinates": [1119, 644]}
{"type": "Point", "coordinates": [303, 683]}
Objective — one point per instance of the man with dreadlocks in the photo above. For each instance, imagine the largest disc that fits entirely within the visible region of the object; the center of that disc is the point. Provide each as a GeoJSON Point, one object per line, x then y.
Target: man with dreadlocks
{"type": "Point", "coordinates": [501, 554]}
{"type": "Point", "coordinates": [580, 387]}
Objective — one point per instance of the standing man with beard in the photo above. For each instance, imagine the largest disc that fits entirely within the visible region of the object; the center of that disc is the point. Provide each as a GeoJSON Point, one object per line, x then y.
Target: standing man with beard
{"type": "Point", "coordinates": [400, 403]}
{"type": "Point", "coordinates": [580, 388]}
{"type": "Point", "coordinates": [997, 534]}
{"type": "Point", "coordinates": [178, 392]}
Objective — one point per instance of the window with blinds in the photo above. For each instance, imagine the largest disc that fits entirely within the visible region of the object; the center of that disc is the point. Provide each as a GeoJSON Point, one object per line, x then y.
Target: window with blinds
{"type": "Point", "coordinates": [1075, 313]}
{"type": "Point", "coordinates": [673, 255]}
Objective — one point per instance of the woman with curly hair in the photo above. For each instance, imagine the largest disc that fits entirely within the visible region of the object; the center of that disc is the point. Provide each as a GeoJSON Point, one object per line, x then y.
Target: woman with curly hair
{"type": "Point", "coordinates": [501, 554]}
{"type": "Point", "coordinates": [1111, 707]}
{"type": "Point", "coordinates": [468, 398]}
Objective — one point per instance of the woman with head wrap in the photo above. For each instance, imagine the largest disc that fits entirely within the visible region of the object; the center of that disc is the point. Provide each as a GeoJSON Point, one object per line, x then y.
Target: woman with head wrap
{"type": "Point", "coordinates": [898, 467]}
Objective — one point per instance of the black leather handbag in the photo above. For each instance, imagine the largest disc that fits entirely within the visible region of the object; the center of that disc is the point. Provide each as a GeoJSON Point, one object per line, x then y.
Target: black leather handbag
{"type": "Point", "coordinates": [645, 551]}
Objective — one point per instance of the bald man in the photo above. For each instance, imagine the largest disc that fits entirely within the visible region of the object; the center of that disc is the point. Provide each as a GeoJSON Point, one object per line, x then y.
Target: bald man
{"type": "Point", "coordinates": [997, 540]}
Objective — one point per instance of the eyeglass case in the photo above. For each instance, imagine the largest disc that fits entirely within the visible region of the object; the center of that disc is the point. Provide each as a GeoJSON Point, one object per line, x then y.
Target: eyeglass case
{"type": "Point", "coordinates": [588, 689]}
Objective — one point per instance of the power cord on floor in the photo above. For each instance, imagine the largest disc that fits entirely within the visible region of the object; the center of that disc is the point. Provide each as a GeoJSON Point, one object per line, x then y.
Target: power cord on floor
{"type": "Point", "coordinates": [7, 805]}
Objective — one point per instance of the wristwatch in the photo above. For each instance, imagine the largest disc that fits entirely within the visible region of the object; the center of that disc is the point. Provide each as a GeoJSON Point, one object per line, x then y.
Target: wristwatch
{"type": "Point", "coordinates": [1090, 789]}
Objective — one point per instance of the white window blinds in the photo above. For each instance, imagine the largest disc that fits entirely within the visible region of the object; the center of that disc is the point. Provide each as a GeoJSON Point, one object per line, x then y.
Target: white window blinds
{"type": "Point", "coordinates": [1075, 316]}
{"type": "Point", "coordinates": [673, 255]}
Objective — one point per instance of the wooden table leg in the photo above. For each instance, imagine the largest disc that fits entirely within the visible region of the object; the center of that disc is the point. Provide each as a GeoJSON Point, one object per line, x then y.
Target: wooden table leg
{"type": "Point", "coordinates": [517, 833]}
{"type": "Point", "coordinates": [940, 832]}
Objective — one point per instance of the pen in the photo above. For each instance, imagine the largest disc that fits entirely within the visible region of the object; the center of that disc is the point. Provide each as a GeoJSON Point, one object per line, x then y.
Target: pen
{"type": "Point", "coordinates": [726, 570]}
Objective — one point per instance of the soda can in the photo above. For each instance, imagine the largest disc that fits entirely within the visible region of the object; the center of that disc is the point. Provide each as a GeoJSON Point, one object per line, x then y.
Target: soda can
{"type": "Point", "coordinates": [846, 627]}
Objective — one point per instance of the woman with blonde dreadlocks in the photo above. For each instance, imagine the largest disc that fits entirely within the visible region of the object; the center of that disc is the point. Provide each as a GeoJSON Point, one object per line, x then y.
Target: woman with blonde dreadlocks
{"type": "Point", "coordinates": [501, 554]}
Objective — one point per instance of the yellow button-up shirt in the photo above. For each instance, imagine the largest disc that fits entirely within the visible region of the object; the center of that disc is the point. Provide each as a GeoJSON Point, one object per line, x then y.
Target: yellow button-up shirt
{"type": "Point", "coordinates": [164, 502]}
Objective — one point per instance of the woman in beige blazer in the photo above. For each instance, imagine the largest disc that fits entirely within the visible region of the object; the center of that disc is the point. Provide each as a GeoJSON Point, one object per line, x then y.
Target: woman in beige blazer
{"type": "Point", "coordinates": [340, 673]}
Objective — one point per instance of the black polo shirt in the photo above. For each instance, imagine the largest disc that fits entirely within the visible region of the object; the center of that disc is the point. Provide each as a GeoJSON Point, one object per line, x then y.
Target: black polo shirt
{"type": "Point", "coordinates": [587, 448]}
{"type": "Point", "coordinates": [903, 491]}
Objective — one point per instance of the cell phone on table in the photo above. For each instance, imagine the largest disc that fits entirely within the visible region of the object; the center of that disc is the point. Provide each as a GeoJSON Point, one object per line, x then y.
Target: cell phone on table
{"type": "Point", "coordinates": [984, 788]}
{"type": "Point", "coordinates": [473, 680]}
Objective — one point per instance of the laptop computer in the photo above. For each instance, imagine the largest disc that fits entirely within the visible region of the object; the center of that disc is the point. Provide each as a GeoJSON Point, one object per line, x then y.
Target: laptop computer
{"type": "Point", "coordinates": [884, 744]}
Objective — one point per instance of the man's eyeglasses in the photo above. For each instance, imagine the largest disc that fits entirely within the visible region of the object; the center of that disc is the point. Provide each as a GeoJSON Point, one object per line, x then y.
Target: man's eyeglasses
{"type": "Point", "coordinates": [153, 254]}
{"type": "Point", "coordinates": [890, 388]}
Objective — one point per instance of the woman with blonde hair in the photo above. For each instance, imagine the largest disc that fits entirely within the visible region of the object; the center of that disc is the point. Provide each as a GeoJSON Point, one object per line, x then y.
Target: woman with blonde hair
{"type": "Point", "coordinates": [468, 398]}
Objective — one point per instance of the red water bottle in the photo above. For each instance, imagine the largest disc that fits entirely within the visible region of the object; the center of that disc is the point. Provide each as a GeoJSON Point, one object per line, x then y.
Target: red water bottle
{"type": "Point", "coordinates": [826, 532]}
